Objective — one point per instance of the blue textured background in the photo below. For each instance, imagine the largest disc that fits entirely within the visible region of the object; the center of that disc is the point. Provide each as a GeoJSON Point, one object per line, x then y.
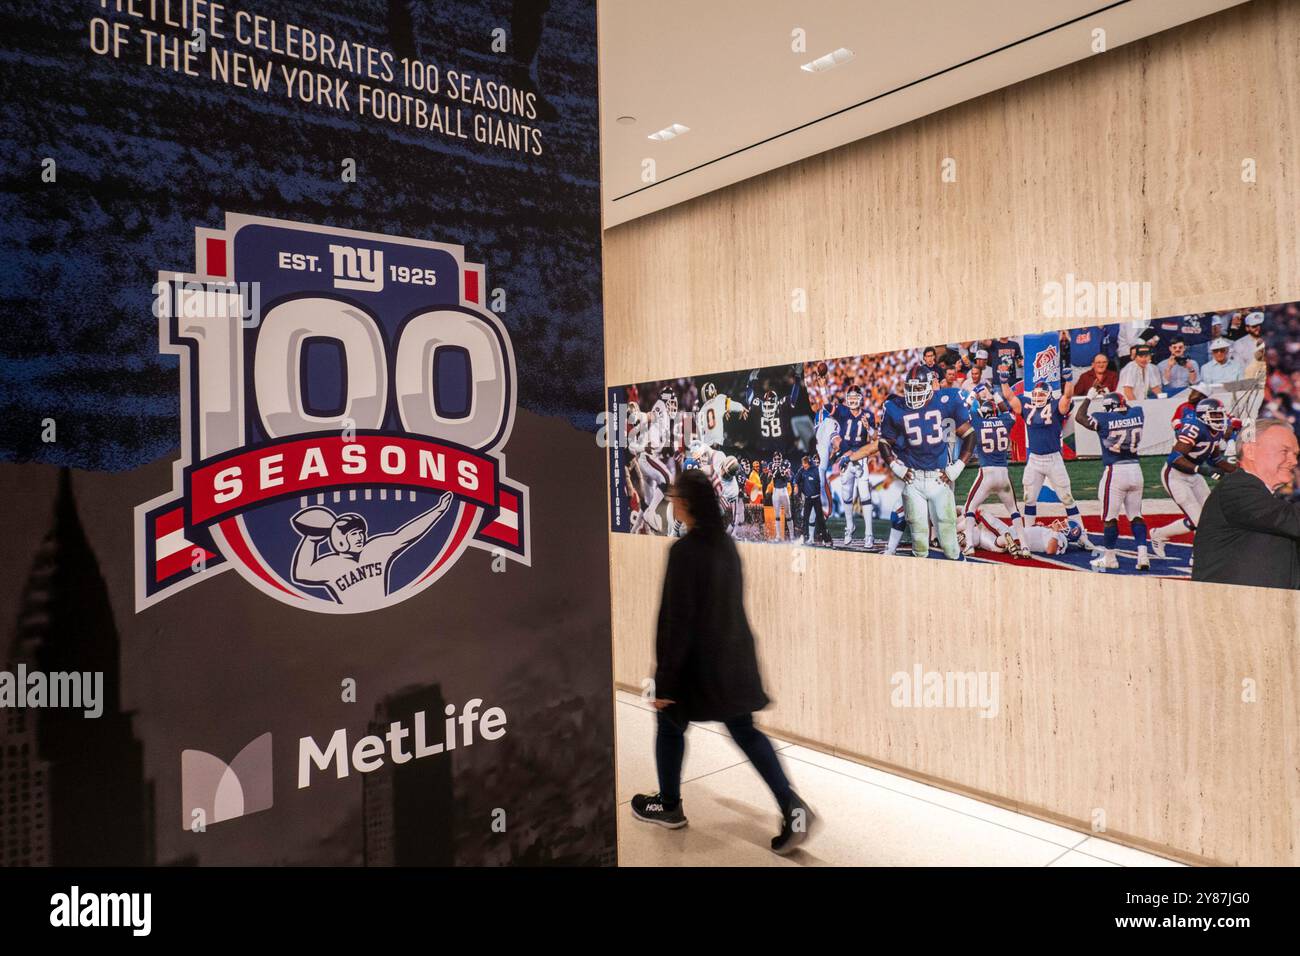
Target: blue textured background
{"type": "Point", "coordinates": [144, 156]}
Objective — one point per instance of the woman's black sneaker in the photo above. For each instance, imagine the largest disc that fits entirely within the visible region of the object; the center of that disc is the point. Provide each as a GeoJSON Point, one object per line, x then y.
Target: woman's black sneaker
{"type": "Point", "coordinates": [651, 808]}
{"type": "Point", "coordinates": [796, 823]}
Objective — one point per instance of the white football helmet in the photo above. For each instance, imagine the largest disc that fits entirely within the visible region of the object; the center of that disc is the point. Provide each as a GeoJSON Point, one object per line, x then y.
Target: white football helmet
{"type": "Point", "coordinates": [917, 391]}
{"type": "Point", "coordinates": [710, 391]}
{"type": "Point", "coordinates": [853, 398]}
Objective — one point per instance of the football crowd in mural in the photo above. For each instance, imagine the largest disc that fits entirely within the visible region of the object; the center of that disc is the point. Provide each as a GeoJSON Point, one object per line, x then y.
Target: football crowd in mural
{"type": "Point", "coordinates": [1091, 448]}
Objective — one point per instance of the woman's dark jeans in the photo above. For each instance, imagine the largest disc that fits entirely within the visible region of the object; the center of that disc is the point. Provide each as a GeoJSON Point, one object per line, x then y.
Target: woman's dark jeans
{"type": "Point", "coordinates": [670, 748]}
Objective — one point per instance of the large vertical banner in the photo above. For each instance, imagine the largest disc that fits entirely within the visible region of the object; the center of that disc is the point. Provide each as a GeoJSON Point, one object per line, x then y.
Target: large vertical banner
{"type": "Point", "coordinates": [304, 319]}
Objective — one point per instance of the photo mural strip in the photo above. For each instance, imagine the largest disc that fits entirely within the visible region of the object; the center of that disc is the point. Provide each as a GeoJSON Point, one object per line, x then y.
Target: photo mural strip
{"type": "Point", "coordinates": [1084, 449]}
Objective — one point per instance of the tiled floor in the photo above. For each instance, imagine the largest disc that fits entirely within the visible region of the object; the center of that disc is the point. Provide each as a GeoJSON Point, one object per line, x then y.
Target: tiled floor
{"type": "Point", "coordinates": [870, 818]}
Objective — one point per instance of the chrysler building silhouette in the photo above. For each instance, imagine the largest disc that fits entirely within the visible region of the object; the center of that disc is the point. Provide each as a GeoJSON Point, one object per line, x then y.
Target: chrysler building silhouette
{"type": "Point", "coordinates": [72, 789]}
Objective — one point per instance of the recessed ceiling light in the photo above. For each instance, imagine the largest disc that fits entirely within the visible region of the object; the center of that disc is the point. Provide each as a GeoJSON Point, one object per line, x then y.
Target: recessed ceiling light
{"type": "Point", "coordinates": [829, 61]}
{"type": "Point", "coordinates": [669, 132]}
{"type": "Point", "coordinates": [627, 120]}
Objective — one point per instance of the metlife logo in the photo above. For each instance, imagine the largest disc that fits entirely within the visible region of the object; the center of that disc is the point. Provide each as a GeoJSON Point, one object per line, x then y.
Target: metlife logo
{"type": "Point", "coordinates": [214, 791]}
{"type": "Point", "coordinates": [369, 753]}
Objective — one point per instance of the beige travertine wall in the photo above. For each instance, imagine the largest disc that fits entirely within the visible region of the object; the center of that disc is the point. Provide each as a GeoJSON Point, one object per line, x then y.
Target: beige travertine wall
{"type": "Point", "coordinates": [1118, 695]}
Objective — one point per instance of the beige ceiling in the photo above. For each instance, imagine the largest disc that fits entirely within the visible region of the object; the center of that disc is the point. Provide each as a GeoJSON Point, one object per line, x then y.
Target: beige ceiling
{"type": "Point", "coordinates": [726, 69]}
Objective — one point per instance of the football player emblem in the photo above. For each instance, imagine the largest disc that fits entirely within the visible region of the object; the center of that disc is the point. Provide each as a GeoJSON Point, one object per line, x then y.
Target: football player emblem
{"type": "Point", "coordinates": [345, 402]}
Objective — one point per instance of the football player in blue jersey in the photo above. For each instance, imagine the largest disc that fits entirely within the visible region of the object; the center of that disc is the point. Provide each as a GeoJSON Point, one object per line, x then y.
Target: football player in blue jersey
{"type": "Point", "coordinates": [1197, 454]}
{"type": "Point", "coordinates": [1119, 429]}
{"type": "Point", "coordinates": [1044, 419]}
{"type": "Point", "coordinates": [897, 522]}
{"type": "Point", "coordinates": [912, 445]}
{"type": "Point", "coordinates": [950, 396]}
{"type": "Point", "coordinates": [855, 428]}
{"type": "Point", "coordinates": [992, 447]}
{"type": "Point", "coordinates": [854, 423]}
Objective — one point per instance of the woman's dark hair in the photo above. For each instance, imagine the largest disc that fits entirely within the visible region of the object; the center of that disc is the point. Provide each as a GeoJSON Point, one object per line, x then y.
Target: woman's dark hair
{"type": "Point", "coordinates": [694, 487]}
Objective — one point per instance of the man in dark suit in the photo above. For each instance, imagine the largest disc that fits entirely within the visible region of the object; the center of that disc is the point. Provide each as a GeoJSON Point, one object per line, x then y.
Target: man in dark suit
{"type": "Point", "coordinates": [1247, 534]}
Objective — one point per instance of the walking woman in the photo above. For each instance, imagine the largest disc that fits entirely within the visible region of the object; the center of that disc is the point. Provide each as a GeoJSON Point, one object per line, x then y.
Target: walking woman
{"type": "Point", "coordinates": [707, 669]}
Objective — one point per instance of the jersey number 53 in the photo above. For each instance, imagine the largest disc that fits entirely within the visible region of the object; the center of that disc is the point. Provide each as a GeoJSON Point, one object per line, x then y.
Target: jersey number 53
{"type": "Point", "coordinates": [924, 429]}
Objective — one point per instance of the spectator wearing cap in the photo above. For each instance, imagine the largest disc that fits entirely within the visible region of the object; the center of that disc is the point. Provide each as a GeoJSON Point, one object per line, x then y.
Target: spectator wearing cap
{"type": "Point", "coordinates": [981, 357]}
{"type": "Point", "coordinates": [1220, 368]}
{"type": "Point", "coordinates": [1140, 379]}
{"type": "Point", "coordinates": [1099, 376]}
{"type": "Point", "coordinates": [1243, 350]}
{"type": "Point", "coordinates": [1178, 371]}
{"type": "Point", "coordinates": [1218, 326]}
{"type": "Point", "coordinates": [1193, 330]}
{"type": "Point", "coordinates": [1130, 334]}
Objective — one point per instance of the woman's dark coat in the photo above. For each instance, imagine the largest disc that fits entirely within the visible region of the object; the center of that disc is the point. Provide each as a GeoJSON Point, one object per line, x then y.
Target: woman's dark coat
{"type": "Point", "coordinates": [704, 648]}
